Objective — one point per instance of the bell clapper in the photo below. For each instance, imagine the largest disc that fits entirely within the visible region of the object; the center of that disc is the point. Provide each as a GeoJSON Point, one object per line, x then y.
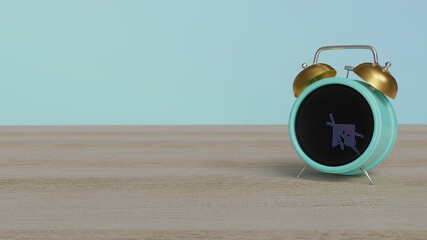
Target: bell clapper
{"type": "Point", "coordinates": [348, 68]}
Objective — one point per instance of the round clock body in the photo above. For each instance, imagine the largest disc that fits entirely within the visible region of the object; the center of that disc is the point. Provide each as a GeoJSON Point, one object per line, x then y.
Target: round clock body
{"type": "Point", "coordinates": [338, 125]}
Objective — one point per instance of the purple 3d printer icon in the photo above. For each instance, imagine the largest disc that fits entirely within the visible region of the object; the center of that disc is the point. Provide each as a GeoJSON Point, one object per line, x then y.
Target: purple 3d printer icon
{"type": "Point", "coordinates": [344, 134]}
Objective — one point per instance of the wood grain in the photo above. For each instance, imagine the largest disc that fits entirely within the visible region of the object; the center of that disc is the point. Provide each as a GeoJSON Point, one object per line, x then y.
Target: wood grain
{"type": "Point", "coordinates": [199, 182]}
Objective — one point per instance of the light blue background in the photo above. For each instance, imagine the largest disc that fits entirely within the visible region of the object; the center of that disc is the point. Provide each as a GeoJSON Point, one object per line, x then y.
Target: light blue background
{"type": "Point", "coordinates": [193, 62]}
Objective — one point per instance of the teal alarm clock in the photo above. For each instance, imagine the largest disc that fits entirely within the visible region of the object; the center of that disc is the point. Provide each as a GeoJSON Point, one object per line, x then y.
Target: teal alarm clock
{"type": "Point", "coordinates": [340, 125]}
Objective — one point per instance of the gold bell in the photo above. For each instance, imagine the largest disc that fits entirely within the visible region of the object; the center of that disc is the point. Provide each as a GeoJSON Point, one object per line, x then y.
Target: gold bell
{"type": "Point", "coordinates": [378, 77]}
{"type": "Point", "coordinates": [310, 75]}
{"type": "Point", "coordinates": [373, 73]}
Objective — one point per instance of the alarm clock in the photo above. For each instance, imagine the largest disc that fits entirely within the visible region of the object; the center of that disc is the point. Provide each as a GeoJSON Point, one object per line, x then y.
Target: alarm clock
{"type": "Point", "coordinates": [340, 125]}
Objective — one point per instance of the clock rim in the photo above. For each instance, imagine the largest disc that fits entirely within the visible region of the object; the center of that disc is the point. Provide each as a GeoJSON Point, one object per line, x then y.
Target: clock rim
{"type": "Point", "coordinates": [371, 151]}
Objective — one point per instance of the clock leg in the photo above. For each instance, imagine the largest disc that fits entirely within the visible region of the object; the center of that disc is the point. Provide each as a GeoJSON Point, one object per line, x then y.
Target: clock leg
{"type": "Point", "coordinates": [302, 170]}
{"type": "Point", "coordinates": [367, 175]}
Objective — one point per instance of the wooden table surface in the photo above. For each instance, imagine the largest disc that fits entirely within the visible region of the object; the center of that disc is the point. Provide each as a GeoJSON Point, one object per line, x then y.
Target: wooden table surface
{"type": "Point", "coordinates": [207, 182]}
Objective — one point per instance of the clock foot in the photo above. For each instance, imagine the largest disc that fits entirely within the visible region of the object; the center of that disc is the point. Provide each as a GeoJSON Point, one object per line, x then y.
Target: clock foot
{"type": "Point", "coordinates": [302, 170]}
{"type": "Point", "coordinates": [367, 175]}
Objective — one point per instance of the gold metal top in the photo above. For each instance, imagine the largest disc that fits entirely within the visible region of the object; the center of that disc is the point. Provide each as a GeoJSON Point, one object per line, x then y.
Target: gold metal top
{"type": "Point", "coordinates": [373, 73]}
{"type": "Point", "coordinates": [378, 77]}
{"type": "Point", "coordinates": [310, 75]}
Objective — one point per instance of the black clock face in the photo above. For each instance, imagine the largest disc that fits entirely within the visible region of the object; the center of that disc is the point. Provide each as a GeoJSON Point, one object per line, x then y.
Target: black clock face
{"type": "Point", "coordinates": [334, 125]}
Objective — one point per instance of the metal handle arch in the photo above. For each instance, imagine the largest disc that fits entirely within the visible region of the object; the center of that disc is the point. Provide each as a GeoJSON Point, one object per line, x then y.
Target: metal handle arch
{"type": "Point", "coordinates": [342, 47]}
